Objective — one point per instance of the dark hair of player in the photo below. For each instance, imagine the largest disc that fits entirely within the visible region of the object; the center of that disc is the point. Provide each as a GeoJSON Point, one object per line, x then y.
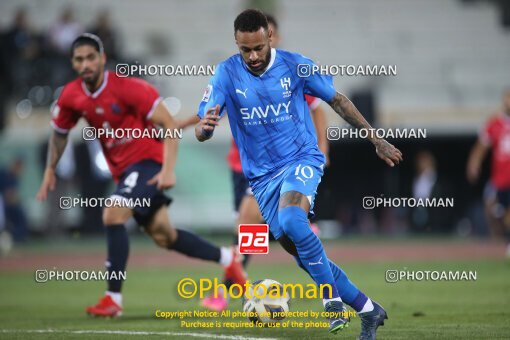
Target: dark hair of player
{"type": "Point", "coordinates": [87, 39]}
{"type": "Point", "coordinates": [272, 21]}
{"type": "Point", "coordinates": [250, 20]}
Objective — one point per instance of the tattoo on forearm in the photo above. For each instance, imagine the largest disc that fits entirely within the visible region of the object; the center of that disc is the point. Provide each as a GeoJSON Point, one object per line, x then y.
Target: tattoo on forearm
{"type": "Point", "coordinates": [56, 147]}
{"type": "Point", "coordinates": [346, 109]}
{"type": "Point", "coordinates": [351, 115]}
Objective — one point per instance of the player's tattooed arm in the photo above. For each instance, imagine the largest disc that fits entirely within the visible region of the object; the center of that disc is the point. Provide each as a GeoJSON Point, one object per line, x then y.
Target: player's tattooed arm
{"type": "Point", "coordinates": [185, 123]}
{"type": "Point", "coordinates": [346, 109]}
{"type": "Point", "coordinates": [56, 147]}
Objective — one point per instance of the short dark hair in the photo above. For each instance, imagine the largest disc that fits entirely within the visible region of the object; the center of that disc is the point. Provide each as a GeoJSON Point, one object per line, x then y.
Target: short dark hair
{"type": "Point", "coordinates": [272, 21]}
{"type": "Point", "coordinates": [87, 39]}
{"type": "Point", "coordinates": [250, 20]}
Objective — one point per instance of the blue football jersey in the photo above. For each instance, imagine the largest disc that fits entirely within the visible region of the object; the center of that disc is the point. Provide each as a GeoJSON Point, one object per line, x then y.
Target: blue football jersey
{"type": "Point", "coordinates": [268, 114]}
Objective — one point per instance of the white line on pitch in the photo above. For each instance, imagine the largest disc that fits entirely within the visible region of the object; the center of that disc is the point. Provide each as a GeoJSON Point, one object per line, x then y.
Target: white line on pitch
{"type": "Point", "coordinates": [196, 335]}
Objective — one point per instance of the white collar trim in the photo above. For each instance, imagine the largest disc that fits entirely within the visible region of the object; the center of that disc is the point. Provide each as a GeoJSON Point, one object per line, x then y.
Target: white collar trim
{"type": "Point", "coordinates": [99, 90]}
{"type": "Point", "coordinates": [271, 61]}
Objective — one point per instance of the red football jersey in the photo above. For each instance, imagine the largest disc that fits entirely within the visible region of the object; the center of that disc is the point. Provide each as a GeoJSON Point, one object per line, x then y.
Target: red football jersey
{"type": "Point", "coordinates": [120, 103]}
{"type": "Point", "coordinates": [497, 134]}
{"type": "Point", "coordinates": [234, 158]}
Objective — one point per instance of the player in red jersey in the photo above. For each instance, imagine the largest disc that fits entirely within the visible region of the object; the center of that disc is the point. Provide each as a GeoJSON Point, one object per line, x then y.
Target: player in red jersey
{"type": "Point", "coordinates": [496, 136]}
{"type": "Point", "coordinates": [141, 167]}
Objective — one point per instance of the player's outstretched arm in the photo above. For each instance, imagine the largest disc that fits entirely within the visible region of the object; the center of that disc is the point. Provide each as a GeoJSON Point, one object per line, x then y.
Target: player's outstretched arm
{"type": "Point", "coordinates": [165, 179]}
{"type": "Point", "coordinates": [346, 109]}
{"type": "Point", "coordinates": [205, 127]}
{"type": "Point", "coordinates": [56, 147]}
{"type": "Point", "coordinates": [475, 160]}
{"type": "Point", "coordinates": [185, 123]}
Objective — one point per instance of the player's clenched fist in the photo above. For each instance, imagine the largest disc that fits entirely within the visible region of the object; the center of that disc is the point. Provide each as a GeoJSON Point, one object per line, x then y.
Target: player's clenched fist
{"type": "Point", "coordinates": [163, 179]}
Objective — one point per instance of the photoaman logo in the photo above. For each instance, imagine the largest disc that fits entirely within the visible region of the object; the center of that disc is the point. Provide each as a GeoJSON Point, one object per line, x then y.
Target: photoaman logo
{"type": "Point", "coordinates": [253, 239]}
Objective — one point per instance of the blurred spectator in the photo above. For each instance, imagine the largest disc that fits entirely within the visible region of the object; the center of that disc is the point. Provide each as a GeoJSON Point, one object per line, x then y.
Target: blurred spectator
{"type": "Point", "coordinates": [23, 59]}
{"type": "Point", "coordinates": [5, 236]}
{"type": "Point", "coordinates": [60, 37]}
{"type": "Point", "coordinates": [19, 46]}
{"type": "Point", "coordinates": [426, 175]}
{"type": "Point", "coordinates": [5, 83]}
{"type": "Point", "coordinates": [493, 211]}
{"type": "Point", "coordinates": [14, 214]}
{"type": "Point", "coordinates": [428, 185]}
{"type": "Point", "coordinates": [103, 28]}
{"type": "Point", "coordinates": [64, 31]}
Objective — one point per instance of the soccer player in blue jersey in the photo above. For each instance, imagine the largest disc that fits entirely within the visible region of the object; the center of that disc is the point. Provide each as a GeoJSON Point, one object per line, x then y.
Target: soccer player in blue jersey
{"type": "Point", "coordinates": [262, 89]}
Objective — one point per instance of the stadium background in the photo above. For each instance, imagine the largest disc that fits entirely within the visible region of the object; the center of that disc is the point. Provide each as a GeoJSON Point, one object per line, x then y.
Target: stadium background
{"type": "Point", "coordinates": [452, 64]}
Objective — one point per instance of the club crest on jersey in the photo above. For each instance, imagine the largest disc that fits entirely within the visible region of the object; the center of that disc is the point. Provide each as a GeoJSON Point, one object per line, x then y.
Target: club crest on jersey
{"type": "Point", "coordinates": [207, 93]}
{"type": "Point", "coordinates": [285, 82]}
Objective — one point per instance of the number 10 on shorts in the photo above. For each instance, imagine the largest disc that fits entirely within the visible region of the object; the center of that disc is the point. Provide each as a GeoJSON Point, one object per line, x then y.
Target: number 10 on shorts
{"type": "Point", "coordinates": [253, 239]}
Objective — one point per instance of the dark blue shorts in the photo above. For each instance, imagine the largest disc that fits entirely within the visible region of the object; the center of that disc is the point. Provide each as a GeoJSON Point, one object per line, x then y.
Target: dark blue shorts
{"type": "Point", "coordinates": [504, 198]}
{"type": "Point", "coordinates": [133, 186]}
{"type": "Point", "coordinates": [241, 188]}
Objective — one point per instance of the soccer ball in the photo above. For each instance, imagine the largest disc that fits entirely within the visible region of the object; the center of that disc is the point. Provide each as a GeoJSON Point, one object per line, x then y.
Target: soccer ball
{"type": "Point", "coordinates": [266, 301]}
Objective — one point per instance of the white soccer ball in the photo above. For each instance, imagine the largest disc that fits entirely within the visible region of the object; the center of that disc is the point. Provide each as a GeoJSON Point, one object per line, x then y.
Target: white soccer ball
{"type": "Point", "coordinates": [266, 301]}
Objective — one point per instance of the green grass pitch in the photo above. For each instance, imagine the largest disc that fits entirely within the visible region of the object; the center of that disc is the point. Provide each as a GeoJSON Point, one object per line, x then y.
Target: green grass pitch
{"type": "Point", "coordinates": [417, 310]}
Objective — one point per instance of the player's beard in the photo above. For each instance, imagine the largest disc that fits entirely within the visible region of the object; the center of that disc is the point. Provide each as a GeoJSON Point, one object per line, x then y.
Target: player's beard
{"type": "Point", "coordinates": [92, 80]}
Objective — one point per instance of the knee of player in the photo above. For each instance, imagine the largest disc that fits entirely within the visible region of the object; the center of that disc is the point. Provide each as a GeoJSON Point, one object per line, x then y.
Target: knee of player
{"type": "Point", "coordinates": [250, 217]}
{"type": "Point", "coordinates": [249, 212]}
{"type": "Point", "coordinates": [162, 240]}
{"type": "Point", "coordinates": [291, 217]}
